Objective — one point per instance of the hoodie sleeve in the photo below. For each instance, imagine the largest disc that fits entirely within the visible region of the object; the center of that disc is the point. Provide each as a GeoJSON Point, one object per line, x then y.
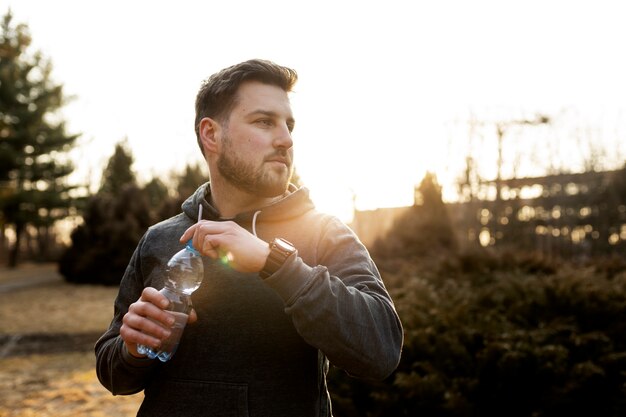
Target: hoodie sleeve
{"type": "Point", "coordinates": [341, 306]}
{"type": "Point", "coordinates": [118, 370]}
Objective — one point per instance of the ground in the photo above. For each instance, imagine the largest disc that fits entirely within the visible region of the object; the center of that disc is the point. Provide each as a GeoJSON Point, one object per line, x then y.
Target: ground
{"type": "Point", "coordinates": [47, 331]}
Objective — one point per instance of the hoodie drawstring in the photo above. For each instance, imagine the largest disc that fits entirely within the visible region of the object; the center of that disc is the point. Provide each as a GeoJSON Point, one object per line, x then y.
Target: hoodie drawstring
{"type": "Point", "coordinates": [256, 213]}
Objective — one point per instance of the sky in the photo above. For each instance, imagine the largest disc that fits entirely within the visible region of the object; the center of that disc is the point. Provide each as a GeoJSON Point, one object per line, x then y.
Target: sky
{"type": "Point", "coordinates": [387, 90]}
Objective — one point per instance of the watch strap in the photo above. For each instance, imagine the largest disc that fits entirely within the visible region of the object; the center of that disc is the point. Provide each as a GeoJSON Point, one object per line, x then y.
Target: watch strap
{"type": "Point", "coordinates": [280, 250]}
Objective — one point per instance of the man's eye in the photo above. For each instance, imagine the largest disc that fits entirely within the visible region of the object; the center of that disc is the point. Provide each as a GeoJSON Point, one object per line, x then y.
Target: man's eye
{"type": "Point", "coordinates": [265, 122]}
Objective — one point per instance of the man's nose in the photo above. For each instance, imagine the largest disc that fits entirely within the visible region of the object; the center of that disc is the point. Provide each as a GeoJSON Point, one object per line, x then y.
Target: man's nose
{"type": "Point", "coordinates": [283, 138]}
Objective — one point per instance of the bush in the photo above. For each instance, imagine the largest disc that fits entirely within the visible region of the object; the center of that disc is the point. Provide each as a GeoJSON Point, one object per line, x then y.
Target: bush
{"type": "Point", "coordinates": [501, 336]}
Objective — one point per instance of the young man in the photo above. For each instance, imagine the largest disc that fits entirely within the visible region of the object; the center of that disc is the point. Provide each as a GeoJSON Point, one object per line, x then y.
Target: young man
{"type": "Point", "coordinates": [298, 290]}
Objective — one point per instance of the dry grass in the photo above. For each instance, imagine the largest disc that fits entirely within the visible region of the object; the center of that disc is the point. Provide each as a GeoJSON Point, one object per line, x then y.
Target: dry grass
{"type": "Point", "coordinates": [63, 385]}
{"type": "Point", "coordinates": [55, 384]}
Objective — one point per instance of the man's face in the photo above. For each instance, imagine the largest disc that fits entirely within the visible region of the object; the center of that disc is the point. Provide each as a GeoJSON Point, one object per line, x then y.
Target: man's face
{"type": "Point", "coordinates": [257, 154]}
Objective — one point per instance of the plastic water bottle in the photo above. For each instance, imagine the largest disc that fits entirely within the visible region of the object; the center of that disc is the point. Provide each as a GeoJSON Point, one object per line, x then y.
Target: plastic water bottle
{"type": "Point", "coordinates": [184, 275]}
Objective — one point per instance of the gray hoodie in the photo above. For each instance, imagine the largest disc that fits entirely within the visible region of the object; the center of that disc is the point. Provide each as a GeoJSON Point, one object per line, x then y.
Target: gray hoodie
{"type": "Point", "coordinates": [259, 347]}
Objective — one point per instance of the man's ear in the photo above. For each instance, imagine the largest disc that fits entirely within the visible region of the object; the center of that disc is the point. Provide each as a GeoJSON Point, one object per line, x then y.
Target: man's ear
{"type": "Point", "coordinates": [209, 132]}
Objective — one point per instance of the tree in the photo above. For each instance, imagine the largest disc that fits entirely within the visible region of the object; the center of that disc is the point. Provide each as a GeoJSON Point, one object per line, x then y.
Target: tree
{"type": "Point", "coordinates": [33, 138]}
{"type": "Point", "coordinates": [425, 230]}
{"type": "Point", "coordinates": [102, 246]}
{"type": "Point", "coordinates": [189, 180]}
{"type": "Point", "coordinates": [118, 215]}
{"type": "Point", "coordinates": [157, 194]}
{"type": "Point", "coordinates": [118, 172]}
{"type": "Point", "coordinates": [114, 221]}
{"type": "Point", "coordinates": [185, 184]}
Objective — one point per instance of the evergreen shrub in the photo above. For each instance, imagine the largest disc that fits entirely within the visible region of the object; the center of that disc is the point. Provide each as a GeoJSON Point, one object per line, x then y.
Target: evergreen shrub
{"type": "Point", "coordinates": [499, 335]}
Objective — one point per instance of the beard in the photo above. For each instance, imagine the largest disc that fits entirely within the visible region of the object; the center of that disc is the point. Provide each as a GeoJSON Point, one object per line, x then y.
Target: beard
{"type": "Point", "coordinates": [260, 181]}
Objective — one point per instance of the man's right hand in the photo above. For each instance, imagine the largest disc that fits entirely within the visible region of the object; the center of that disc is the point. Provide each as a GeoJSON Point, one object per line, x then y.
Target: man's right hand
{"type": "Point", "coordinates": [147, 322]}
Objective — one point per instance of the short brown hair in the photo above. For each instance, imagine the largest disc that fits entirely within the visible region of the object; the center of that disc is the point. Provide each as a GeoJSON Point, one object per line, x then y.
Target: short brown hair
{"type": "Point", "coordinates": [218, 94]}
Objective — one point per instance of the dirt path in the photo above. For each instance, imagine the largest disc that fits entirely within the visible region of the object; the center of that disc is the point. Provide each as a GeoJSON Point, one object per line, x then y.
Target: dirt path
{"type": "Point", "coordinates": [28, 275]}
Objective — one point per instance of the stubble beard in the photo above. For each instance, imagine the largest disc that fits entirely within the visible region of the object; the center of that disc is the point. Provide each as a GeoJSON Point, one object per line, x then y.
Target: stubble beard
{"type": "Point", "coordinates": [259, 181]}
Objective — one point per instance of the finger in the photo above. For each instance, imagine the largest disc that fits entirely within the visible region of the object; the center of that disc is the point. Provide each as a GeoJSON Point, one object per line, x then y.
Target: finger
{"type": "Point", "coordinates": [207, 247]}
{"type": "Point", "coordinates": [153, 314]}
{"type": "Point", "coordinates": [193, 316]}
{"type": "Point", "coordinates": [147, 317]}
{"type": "Point", "coordinates": [136, 329]}
{"type": "Point", "coordinates": [189, 233]}
{"type": "Point", "coordinates": [150, 306]}
{"type": "Point", "coordinates": [153, 296]}
{"type": "Point", "coordinates": [133, 337]}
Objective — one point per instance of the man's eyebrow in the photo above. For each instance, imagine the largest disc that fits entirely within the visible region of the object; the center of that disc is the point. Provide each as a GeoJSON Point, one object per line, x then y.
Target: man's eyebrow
{"type": "Point", "coordinates": [269, 113]}
{"type": "Point", "coordinates": [263, 112]}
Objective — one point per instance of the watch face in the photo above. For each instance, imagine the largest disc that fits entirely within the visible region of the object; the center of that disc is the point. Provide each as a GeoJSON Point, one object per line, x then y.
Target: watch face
{"type": "Point", "coordinates": [284, 245]}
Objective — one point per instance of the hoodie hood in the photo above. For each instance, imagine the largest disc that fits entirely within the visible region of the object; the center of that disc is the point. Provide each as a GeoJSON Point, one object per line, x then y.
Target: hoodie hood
{"type": "Point", "coordinates": [294, 204]}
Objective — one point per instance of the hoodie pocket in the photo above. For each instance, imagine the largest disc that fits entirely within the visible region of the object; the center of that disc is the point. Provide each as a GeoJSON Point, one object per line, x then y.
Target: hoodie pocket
{"type": "Point", "coordinates": [174, 398]}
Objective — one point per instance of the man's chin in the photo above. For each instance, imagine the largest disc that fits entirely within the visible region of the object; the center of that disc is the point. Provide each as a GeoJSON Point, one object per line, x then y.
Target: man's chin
{"type": "Point", "coordinates": [270, 192]}
{"type": "Point", "coordinates": [273, 189]}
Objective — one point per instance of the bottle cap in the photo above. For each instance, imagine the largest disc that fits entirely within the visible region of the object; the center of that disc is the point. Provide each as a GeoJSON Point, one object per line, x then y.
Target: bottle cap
{"type": "Point", "coordinates": [190, 247]}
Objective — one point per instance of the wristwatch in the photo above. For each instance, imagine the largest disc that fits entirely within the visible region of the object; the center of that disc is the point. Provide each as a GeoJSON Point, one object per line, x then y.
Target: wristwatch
{"type": "Point", "coordinates": [280, 250]}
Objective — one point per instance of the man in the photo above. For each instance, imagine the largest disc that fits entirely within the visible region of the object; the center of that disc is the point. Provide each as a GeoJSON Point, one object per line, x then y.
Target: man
{"type": "Point", "coordinates": [296, 291]}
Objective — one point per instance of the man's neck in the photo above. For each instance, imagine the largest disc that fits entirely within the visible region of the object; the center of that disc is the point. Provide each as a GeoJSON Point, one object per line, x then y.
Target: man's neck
{"type": "Point", "coordinates": [231, 201]}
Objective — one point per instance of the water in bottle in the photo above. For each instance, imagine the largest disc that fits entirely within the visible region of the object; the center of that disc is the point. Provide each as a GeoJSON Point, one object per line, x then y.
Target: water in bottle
{"type": "Point", "coordinates": [184, 275]}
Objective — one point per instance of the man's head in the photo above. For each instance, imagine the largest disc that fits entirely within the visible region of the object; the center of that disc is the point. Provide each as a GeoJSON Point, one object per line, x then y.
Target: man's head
{"type": "Point", "coordinates": [218, 94]}
{"type": "Point", "coordinates": [244, 126]}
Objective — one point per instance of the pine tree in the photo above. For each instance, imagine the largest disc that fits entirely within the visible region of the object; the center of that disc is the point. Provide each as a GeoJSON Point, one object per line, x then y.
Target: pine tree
{"type": "Point", "coordinates": [157, 193]}
{"type": "Point", "coordinates": [114, 221]}
{"type": "Point", "coordinates": [425, 230]}
{"type": "Point", "coordinates": [185, 183]}
{"type": "Point", "coordinates": [118, 172]}
{"type": "Point", "coordinates": [189, 180]}
{"type": "Point", "coordinates": [33, 138]}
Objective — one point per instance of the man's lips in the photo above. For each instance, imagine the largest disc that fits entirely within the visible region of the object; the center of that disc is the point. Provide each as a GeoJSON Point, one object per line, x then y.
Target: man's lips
{"type": "Point", "coordinates": [279, 159]}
